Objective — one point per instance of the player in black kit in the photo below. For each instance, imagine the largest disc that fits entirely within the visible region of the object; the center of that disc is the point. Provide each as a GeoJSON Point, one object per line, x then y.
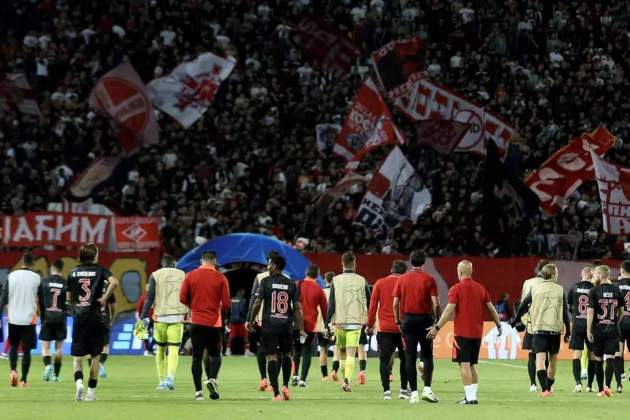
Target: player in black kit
{"type": "Point", "coordinates": [279, 298]}
{"type": "Point", "coordinates": [624, 325]}
{"type": "Point", "coordinates": [577, 300]}
{"type": "Point", "coordinates": [88, 297]}
{"type": "Point", "coordinates": [52, 304]}
{"type": "Point", "coordinates": [604, 311]}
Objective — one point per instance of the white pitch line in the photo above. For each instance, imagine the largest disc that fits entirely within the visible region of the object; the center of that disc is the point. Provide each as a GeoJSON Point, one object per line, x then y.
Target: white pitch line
{"type": "Point", "coordinates": [485, 362]}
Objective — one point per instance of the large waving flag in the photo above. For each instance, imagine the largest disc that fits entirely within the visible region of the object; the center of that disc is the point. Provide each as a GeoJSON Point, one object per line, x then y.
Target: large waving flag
{"type": "Point", "coordinates": [614, 193]}
{"type": "Point", "coordinates": [367, 125]}
{"type": "Point", "coordinates": [399, 64]}
{"type": "Point", "coordinates": [187, 91]}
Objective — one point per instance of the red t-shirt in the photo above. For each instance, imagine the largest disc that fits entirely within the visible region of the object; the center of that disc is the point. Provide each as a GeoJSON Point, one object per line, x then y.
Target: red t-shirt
{"type": "Point", "coordinates": [311, 297]}
{"type": "Point", "coordinates": [383, 300]}
{"type": "Point", "coordinates": [470, 298]}
{"type": "Point", "coordinates": [207, 293]}
{"type": "Point", "coordinates": [414, 289]}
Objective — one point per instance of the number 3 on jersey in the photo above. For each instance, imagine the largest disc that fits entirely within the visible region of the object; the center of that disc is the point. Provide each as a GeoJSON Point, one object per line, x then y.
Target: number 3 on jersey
{"type": "Point", "coordinates": [279, 302]}
{"type": "Point", "coordinates": [85, 287]}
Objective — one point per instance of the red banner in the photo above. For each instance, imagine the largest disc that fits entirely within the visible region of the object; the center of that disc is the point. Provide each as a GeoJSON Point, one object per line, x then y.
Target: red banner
{"type": "Point", "coordinates": [48, 228]}
{"type": "Point", "coordinates": [398, 64]}
{"type": "Point", "coordinates": [442, 135]}
{"type": "Point", "coordinates": [566, 169]}
{"type": "Point", "coordinates": [136, 233]}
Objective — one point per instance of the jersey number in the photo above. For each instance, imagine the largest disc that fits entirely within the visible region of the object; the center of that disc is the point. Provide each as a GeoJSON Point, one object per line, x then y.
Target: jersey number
{"type": "Point", "coordinates": [604, 304]}
{"type": "Point", "coordinates": [85, 287]}
{"type": "Point", "coordinates": [627, 301]}
{"type": "Point", "coordinates": [582, 304]}
{"type": "Point", "coordinates": [279, 302]}
{"type": "Point", "coordinates": [55, 298]}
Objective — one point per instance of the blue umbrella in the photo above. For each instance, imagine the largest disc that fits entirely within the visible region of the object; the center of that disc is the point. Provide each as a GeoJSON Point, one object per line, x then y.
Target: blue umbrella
{"type": "Point", "coordinates": [247, 247]}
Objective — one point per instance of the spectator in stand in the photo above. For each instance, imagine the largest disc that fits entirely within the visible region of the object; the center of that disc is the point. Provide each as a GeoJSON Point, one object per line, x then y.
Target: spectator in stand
{"type": "Point", "coordinates": [504, 308]}
{"type": "Point", "coordinates": [238, 318]}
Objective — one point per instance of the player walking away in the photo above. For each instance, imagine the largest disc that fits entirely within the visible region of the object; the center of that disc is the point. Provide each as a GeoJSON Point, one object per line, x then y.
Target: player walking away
{"type": "Point", "coordinates": [388, 335]}
{"type": "Point", "coordinates": [312, 302]}
{"type": "Point", "coordinates": [53, 310]}
{"type": "Point", "coordinates": [90, 287]}
{"type": "Point", "coordinates": [529, 337]}
{"type": "Point", "coordinates": [323, 340]}
{"type": "Point", "coordinates": [577, 301]}
{"type": "Point", "coordinates": [362, 356]}
{"type": "Point", "coordinates": [20, 296]}
{"type": "Point", "coordinates": [547, 307]}
{"type": "Point", "coordinates": [261, 360]}
{"type": "Point", "coordinates": [165, 286]}
{"type": "Point", "coordinates": [624, 324]}
{"type": "Point", "coordinates": [605, 309]}
{"type": "Point", "coordinates": [238, 318]}
{"type": "Point", "coordinates": [278, 297]}
{"type": "Point", "coordinates": [207, 293]}
{"type": "Point", "coordinates": [347, 311]}
{"type": "Point", "coordinates": [416, 307]}
{"type": "Point", "coordinates": [467, 301]}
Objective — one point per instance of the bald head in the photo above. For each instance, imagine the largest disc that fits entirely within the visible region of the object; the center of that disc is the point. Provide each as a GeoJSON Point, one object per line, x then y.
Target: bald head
{"type": "Point", "coordinates": [464, 269]}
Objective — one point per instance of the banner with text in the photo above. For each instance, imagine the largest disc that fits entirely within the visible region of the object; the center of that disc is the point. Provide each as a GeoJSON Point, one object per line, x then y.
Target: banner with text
{"type": "Point", "coordinates": [614, 193]}
{"type": "Point", "coordinates": [136, 233]}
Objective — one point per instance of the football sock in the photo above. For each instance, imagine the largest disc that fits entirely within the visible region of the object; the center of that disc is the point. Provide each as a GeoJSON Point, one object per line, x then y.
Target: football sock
{"type": "Point", "coordinates": [57, 367]}
{"type": "Point", "coordinates": [599, 374]}
{"type": "Point", "coordinates": [531, 368]}
{"type": "Point", "coordinates": [160, 362]}
{"type": "Point", "coordinates": [92, 383]}
{"type": "Point", "coordinates": [618, 370]}
{"type": "Point", "coordinates": [78, 376]}
{"type": "Point", "coordinates": [297, 358]}
{"type": "Point", "coordinates": [26, 364]}
{"type": "Point", "coordinates": [272, 369]}
{"type": "Point", "coordinates": [475, 388]}
{"type": "Point", "coordinates": [542, 379]}
{"type": "Point", "coordinates": [47, 360]}
{"type": "Point", "coordinates": [286, 370]}
{"type": "Point", "coordinates": [577, 371]}
{"type": "Point", "coordinates": [362, 364]}
{"type": "Point", "coordinates": [349, 367]}
{"type": "Point", "coordinates": [550, 382]}
{"type": "Point", "coordinates": [215, 366]}
{"type": "Point", "coordinates": [335, 365]}
{"type": "Point", "coordinates": [103, 358]}
{"type": "Point", "coordinates": [261, 360]}
{"type": "Point", "coordinates": [306, 361]}
{"type": "Point", "coordinates": [469, 391]}
{"type": "Point", "coordinates": [610, 371]}
{"type": "Point", "coordinates": [384, 359]}
{"type": "Point", "coordinates": [172, 360]}
{"type": "Point", "coordinates": [591, 372]}
{"type": "Point", "coordinates": [324, 370]}
{"type": "Point", "coordinates": [428, 371]}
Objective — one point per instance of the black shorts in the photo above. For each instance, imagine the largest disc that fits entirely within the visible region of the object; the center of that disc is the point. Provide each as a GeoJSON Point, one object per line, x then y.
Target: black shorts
{"type": "Point", "coordinates": [206, 338]}
{"type": "Point", "coordinates": [625, 337]}
{"type": "Point", "coordinates": [276, 343]}
{"type": "Point", "coordinates": [578, 340]}
{"type": "Point", "coordinates": [53, 332]}
{"type": "Point", "coordinates": [25, 334]}
{"type": "Point", "coordinates": [389, 342]}
{"type": "Point", "coordinates": [546, 343]}
{"type": "Point", "coordinates": [88, 338]}
{"type": "Point", "coordinates": [414, 332]}
{"type": "Point", "coordinates": [323, 341]}
{"type": "Point", "coordinates": [605, 346]}
{"type": "Point", "coordinates": [527, 341]}
{"type": "Point", "coordinates": [466, 350]}
{"type": "Point", "coordinates": [363, 338]}
{"type": "Point", "coordinates": [297, 345]}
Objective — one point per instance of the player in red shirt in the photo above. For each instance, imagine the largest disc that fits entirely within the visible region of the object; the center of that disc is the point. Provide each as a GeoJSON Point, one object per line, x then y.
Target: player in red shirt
{"type": "Point", "coordinates": [207, 293]}
{"type": "Point", "coordinates": [416, 304]}
{"type": "Point", "coordinates": [312, 298]}
{"type": "Point", "coordinates": [388, 335]}
{"type": "Point", "coordinates": [467, 301]}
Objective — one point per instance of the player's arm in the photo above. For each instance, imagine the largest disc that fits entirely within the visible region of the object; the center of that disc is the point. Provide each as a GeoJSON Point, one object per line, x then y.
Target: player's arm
{"type": "Point", "coordinates": [252, 299]}
{"type": "Point", "coordinates": [447, 315]}
{"type": "Point", "coordinates": [523, 307]}
{"type": "Point", "coordinates": [299, 319]}
{"type": "Point", "coordinates": [495, 316]}
{"type": "Point", "coordinates": [435, 301]}
{"type": "Point", "coordinates": [323, 303]}
{"type": "Point", "coordinates": [566, 319]}
{"type": "Point", "coordinates": [590, 314]}
{"type": "Point", "coordinates": [331, 305]}
{"type": "Point", "coordinates": [112, 284]}
{"type": "Point", "coordinates": [226, 301]}
{"type": "Point", "coordinates": [255, 306]}
{"type": "Point", "coordinates": [376, 292]}
{"type": "Point", "coordinates": [148, 302]}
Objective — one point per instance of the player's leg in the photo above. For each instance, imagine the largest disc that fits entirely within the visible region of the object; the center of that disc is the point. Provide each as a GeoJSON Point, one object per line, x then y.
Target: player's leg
{"type": "Point", "coordinates": [48, 369]}
{"type": "Point", "coordinates": [14, 342]}
{"type": "Point", "coordinates": [103, 357]}
{"type": "Point", "coordinates": [213, 346]}
{"type": "Point", "coordinates": [29, 342]}
{"type": "Point", "coordinates": [261, 359]}
{"type": "Point", "coordinates": [77, 364]}
{"type": "Point", "coordinates": [297, 357]}
{"type": "Point", "coordinates": [340, 348]}
{"type": "Point", "coordinates": [336, 365]}
{"type": "Point", "coordinates": [385, 348]}
{"type": "Point", "coordinates": [274, 370]}
{"type": "Point", "coordinates": [198, 339]}
{"type": "Point", "coordinates": [323, 355]}
{"type": "Point", "coordinates": [598, 354]}
{"type": "Point", "coordinates": [160, 331]}
{"type": "Point", "coordinates": [285, 350]}
{"type": "Point", "coordinates": [362, 353]}
{"type": "Point", "coordinates": [551, 369]}
{"type": "Point", "coordinates": [426, 355]}
{"type": "Point", "coordinates": [307, 355]}
{"type": "Point", "coordinates": [96, 342]}
{"type": "Point", "coordinates": [404, 379]}
{"type": "Point", "coordinates": [576, 344]}
{"type": "Point", "coordinates": [411, 339]}
{"type": "Point", "coordinates": [531, 360]}
{"type": "Point", "coordinates": [174, 334]}
{"type": "Point", "coordinates": [58, 359]}
{"type": "Point", "coordinates": [619, 366]}
{"type": "Point", "coordinates": [541, 371]}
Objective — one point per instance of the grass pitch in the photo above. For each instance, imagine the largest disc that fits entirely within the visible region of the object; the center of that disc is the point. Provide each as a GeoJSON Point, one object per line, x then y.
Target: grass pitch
{"type": "Point", "coordinates": [129, 393]}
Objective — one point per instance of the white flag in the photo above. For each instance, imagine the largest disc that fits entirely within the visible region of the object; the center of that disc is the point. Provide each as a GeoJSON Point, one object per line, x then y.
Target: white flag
{"type": "Point", "coordinates": [614, 193]}
{"type": "Point", "coordinates": [394, 194]}
{"type": "Point", "coordinates": [187, 91]}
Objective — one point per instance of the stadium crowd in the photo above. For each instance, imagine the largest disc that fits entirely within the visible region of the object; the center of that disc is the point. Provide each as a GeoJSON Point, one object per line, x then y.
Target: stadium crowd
{"type": "Point", "coordinates": [554, 69]}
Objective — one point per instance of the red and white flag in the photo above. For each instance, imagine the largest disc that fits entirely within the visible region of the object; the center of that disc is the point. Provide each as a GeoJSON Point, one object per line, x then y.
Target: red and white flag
{"type": "Point", "coordinates": [614, 193]}
{"type": "Point", "coordinates": [121, 96]}
{"type": "Point", "coordinates": [442, 135]}
{"type": "Point", "coordinates": [429, 100]}
{"type": "Point", "coordinates": [566, 169]}
{"type": "Point", "coordinates": [17, 93]}
{"type": "Point", "coordinates": [325, 45]}
{"type": "Point", "coordinates": [187, 91]}
{"type": "Point", "coordinates": [367, 125]}
{"type": "Point", "coordinates": [399, 64]}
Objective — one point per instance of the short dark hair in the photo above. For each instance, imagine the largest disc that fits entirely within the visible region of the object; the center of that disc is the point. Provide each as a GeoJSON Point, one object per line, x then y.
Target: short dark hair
{"type": "Point", "coordinates": [279, 261]}
{"type": "Point", "coordinates": [209, 256]}
{"type": "Point", "coordinates": [399, 267]}
{"type": "Point", "coordinates": [88, 253]}
{"type": "Point", "coordinates": [417, 258]}
{"type": "Point", "coordinates": [539, 265]}
{"type": "Point", "coordinates": [28, 260]}
{"type": "Point", "coordinates": [167, 261]}
{"type": "Point", "coordinates": [272, 253]}
{"type": "Point", "coordinates": [348, 258]}
{"type": "Point", "coordinates": [596, 263]}
{"type": "Point", "coordinates": [625, 266]}
{"type": "Point", "coordinates": [312, 271]}
{"type": "Point", "coordinates": [58, 264]}
{"type": "Point", "coordinates": [329, 276]}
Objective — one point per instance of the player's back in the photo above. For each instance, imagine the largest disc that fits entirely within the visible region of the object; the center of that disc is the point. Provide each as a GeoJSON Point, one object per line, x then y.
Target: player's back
{"type": "Point", "coordinates": [577, 300]}
{"type": "Point", "coordinates": [311, 296]}
{"type": "Point", "coordinates": [52, 299]}
{"type": "Point", "coordinates": [279, 295]}
{"type": "Point", "coordinates": [386, 287]}
{"type": "Point", "coordinates": [86, 283]}
{"type": "Point", "coordinates": [605, 299]}
{"type": "Point", "coordinates": [22, 287]}
{"type": "Point", "coordinates": [624, 288]}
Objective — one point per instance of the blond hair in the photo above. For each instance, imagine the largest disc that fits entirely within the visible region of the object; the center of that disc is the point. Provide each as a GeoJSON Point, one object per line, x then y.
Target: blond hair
{"type": "Point", "coordinates": [603, 269]}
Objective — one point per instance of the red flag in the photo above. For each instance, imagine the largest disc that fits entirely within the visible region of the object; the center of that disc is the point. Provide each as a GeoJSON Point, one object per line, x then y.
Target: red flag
{"type": "Point", "coordinates": [442, 135]}
{"type": "Point", "coordinates": [329, 196]}
{"type": "Point", "coordinates": [565, 171]}
{"type": "Point", "coordinates": [368, 124]}
{"type": "Point", "coordinates": [399, 64]}
{"type": "Point", "coordinates": [121, 96]}
{"type": "Point", "coordinates": [325, 45]}
{"type": "Point", "coordinates": [614, 192]}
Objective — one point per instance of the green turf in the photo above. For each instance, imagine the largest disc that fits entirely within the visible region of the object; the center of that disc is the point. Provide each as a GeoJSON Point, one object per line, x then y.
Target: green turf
{"type": "Point", "coordinates": [129, 393]}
